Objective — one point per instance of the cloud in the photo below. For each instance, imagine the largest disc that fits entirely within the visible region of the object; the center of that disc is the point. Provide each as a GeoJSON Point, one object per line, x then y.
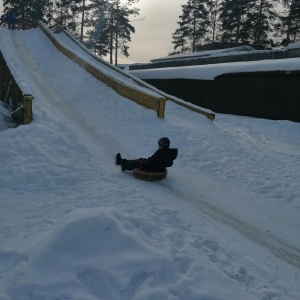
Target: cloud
{"type": "Point", "coordinates": [153, 37]}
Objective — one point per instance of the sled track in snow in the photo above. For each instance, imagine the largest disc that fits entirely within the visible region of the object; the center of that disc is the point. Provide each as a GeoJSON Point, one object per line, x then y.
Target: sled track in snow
{"type": "Point", "coordinates": [278, 247]}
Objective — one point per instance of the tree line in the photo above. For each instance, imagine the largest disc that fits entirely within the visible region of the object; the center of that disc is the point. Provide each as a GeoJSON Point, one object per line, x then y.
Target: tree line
{"type": "Point", "coordinates": [104, 26]}
{"type": "Point", "coordinates": [264, 24]}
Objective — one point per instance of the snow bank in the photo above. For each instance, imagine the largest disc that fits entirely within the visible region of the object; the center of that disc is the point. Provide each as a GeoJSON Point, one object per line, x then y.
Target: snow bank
{"type": "Point", "coordinates": [2, 122]}
{"type": "Point", "coordinates": [90, 255]}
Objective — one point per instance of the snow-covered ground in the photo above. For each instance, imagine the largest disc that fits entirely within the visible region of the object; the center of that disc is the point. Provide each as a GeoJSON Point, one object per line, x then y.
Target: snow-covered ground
{"type": "Point", "coordinates": [223, 225]}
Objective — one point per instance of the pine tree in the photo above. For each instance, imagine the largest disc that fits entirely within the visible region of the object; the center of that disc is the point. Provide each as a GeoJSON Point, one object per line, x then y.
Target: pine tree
{"type": "Point", "coordinates": [77, 18]}
{"type": "Point", "coordinates": [233, 15]}
{"type": "Point", "coordinates": [193, 26]}
{"type": "Point", "coordinates": [248, 21]}
{"type": "Point", "coordinates": [120, 27]}
{"type": "Point", "coordinates": [110, 28]}
{"type": "Point", "coordinates": [124, 29]}
{"type": "Point", "coordinates": [65, 13]}
{"type": "Point", "coordinates": [296, 23]}
{"type": "Point", "coordinates": [182, 37]}
{"type": "Point", "coordinates": [98, 34]}
{"type": "Point", "coordinates": [263, 17]}
{"type": "Point", "coordinates": [289, 25]}
{"type": "Point", "coordinates": [213, 11]}
{"type": "Point", "coordinates": [180, 40]}
{"type": "Point", "coordinates": [27, 12]}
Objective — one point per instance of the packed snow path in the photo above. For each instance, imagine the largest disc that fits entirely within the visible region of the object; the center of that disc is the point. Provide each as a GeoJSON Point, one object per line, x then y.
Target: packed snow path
{"type": "Point", "coordinates": [238, 171]}
{"type": "Point", "coordinates": [278, 247]}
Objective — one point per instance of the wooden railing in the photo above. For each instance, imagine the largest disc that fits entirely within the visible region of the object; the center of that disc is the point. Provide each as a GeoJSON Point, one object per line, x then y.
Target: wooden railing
{"type": "Point", "coordinates": [139, 95]}
{"type": "Point", "coordinates": [14, 95]}
{"type": "Point", "coordinates": [209, 114]}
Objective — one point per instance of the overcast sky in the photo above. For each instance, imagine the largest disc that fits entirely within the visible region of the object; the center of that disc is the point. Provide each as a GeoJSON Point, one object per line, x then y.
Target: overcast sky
{"type": "Point", "coordinates": [153, 35]}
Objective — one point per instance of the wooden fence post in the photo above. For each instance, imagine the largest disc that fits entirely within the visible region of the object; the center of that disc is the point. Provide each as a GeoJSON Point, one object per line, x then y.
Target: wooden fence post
{"type": "Point", "coordinates": [27, 103]}
{"type": "Point", "coordinates": [161, 108]}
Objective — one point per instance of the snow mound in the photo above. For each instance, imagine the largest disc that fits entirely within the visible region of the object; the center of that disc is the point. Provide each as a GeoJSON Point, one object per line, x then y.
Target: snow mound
{"type": "Point", "coordinates": [5, 118]}
{"type": "Point", "coordinates": [91, 256]}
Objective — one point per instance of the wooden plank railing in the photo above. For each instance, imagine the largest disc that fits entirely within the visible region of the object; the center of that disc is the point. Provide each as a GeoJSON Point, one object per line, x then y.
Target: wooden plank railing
{"type": "Point", "coordinates": [209, 114]}
{"type": "Point", "coordinates": [149, 100]}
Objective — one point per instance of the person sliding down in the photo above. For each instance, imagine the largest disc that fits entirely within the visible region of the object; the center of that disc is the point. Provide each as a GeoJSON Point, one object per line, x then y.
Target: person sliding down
{"type": "Point", "coordinates": [159, 161]}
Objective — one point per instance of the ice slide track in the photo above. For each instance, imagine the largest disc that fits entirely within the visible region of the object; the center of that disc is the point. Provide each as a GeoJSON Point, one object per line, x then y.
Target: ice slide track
{"type": "Point", "coordinates": [278, 247]}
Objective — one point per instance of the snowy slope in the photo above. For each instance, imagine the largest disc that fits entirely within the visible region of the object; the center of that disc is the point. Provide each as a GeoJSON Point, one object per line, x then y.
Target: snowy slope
{"type": "Point", "coordinates": [223, 225]}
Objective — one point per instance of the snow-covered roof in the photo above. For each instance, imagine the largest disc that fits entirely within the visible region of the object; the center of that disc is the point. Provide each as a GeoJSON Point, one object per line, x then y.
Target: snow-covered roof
{"type": "Point", "coordinates": [235, 54]}
{"type": "Point", "coordinates": [228, 51]}
{"type": "Point", "coordinates": [223, 52]}
{"type": "Point", "coordinates": [210, 72]}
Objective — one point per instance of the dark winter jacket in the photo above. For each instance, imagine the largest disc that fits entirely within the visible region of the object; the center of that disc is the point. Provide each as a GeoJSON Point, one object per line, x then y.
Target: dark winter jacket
{"type": "Point", "coordinates": [160, 160]}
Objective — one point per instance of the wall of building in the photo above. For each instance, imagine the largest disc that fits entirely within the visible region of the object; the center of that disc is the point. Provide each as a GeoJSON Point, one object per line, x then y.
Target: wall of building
{"type": "Point", "coordinates": [269, 95]}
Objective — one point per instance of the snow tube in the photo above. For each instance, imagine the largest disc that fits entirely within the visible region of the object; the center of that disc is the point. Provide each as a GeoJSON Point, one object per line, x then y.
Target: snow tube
{"type": "Point", "coordinates": [149, 175]}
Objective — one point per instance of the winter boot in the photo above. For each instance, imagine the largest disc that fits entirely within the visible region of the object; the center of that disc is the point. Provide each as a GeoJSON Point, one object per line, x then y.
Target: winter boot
{"type": "Point", "coordinates": [123, 166]}
{"type": "Point", "coordinates": [118, 159]}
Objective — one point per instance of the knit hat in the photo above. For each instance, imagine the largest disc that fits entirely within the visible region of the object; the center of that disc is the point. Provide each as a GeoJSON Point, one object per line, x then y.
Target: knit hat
{"type": "Point", "coordinates": [164, 142]}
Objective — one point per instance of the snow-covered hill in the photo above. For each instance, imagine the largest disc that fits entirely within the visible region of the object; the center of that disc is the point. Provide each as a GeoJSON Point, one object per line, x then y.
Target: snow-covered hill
{"type": "Point", "coordinates": [223, 225]}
